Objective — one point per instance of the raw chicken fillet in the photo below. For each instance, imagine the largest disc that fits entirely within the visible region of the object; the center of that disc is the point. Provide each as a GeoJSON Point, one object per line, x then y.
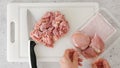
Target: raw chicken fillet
{"type": "Point", "coordinates": [81, 40]}
{"type": "Point", "coordinates": [89, 47]}
{"type": "Point", "coordinates": [50, 28]}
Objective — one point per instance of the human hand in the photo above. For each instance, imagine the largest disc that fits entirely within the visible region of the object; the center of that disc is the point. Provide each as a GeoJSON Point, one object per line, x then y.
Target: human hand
{"type": "Point", "coordinates": [101, 63]}
{"type": "Point", "coordinates": [70, 59]}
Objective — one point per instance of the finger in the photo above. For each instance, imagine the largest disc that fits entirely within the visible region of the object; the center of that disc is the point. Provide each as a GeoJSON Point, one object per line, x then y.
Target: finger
{"type": "Point", "coordinates": [71, 54]}
{"type": "Point", "coordinates": [79, 64]}
{"type": "Point", "coordinates": [67, 53]}
{"type": "Point", "coordinates": [80, 60]}
{"type": "Point", "coordinates": [75, 58]}
{"type": "Point", "coordinates": [106, 64]}
{"type": "Point", "coordinates": [94, 66]}
{"type": "Point", "coordinates": [70, 49]}
{"type": "Point", "coordinates": [100, 59]}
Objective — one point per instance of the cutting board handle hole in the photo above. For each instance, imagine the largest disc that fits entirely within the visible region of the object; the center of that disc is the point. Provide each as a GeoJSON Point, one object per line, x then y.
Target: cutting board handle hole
{"type": "Point", "coordinates": [12, 30]}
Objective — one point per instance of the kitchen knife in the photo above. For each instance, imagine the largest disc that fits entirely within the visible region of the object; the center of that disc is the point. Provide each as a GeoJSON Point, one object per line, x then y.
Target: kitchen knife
{"type": "Point", "coordinates": [31, 44]}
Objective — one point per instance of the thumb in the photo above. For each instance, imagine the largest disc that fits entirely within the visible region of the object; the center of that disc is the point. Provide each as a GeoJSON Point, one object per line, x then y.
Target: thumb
{"type": "Point", "coordinates": [75, 58]}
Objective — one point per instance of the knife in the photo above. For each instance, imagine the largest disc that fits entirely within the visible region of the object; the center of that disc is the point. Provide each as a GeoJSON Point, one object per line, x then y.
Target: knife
{"type": "Point", "coordinates": [31, 43]}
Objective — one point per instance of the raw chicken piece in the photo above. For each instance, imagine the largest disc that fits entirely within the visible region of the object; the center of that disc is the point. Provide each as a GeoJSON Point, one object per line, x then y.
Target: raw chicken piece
{"type": "Point", "coordinates": [89, 53]}
{"type": "Point", "coordinates": [101, 63]}
{"type": "Point", "coordinates": [80, 40]}
{"type": "Point", "coordinates": [35, 35]}
{"type": "Point", "coordinates": [97, 44]}
{"type": "Point", "coordinates": [50, 28]}
{"type": "Point", "coordinates": [89, 48]}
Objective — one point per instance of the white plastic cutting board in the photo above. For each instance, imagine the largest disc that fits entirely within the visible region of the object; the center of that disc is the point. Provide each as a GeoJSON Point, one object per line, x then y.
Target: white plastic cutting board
{"type": "Point", "coordinates": [17, 36]}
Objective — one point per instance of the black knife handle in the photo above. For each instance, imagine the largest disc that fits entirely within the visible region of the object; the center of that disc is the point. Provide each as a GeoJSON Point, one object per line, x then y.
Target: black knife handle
{"type": "Point", "coordinates": [32, 55]}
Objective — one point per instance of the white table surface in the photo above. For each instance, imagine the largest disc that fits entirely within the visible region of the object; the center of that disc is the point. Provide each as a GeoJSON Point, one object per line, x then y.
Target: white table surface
{"type": "Point", "coordinates": [113, 55]}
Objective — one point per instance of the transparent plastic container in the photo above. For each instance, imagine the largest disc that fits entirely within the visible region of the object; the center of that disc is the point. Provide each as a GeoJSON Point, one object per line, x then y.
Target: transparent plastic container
{"type": "Point", "coordinates": [112, 42]}
{"type": "Point", "coordinates": [111, 30]}
{"type": "Point", "coordinates": [110, 22]}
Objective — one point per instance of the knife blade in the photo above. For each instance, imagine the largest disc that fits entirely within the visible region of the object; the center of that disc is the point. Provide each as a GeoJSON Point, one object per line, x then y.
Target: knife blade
{"type": "Point", "coordinates": [31, 44]}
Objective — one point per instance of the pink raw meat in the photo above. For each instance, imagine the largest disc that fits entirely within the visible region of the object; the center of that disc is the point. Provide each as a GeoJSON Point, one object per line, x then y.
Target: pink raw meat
{"type": "Point", "coordinates": [89, 53]}
{"type": "Point", "coordinates": [99, 25]}
{"type": "Point", "coordinates": [81, 40]}
{"type": "Point", "coordinates": [89, 48]}
{"type": "Point", "coordinates": [50, 28]}
{"type": "Point", "coordinates": [97, 44]}
{"type": "Point", "coordinates": [95, 48]}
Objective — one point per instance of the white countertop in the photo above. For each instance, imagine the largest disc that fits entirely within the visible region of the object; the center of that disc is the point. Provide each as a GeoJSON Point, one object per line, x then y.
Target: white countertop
{"type": "Point", "coordinates": [113, 55]}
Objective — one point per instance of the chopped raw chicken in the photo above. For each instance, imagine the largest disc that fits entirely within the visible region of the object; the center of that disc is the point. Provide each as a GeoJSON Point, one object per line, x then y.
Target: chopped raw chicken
{"type": "Point", "coordinates": [89, 48]}
{"type": "Point", "coordinates": [101, 63]}
{"type": "Point", "coordinates": [81, 40]}
{"type": "Point", "coordinates": [50, 28]}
